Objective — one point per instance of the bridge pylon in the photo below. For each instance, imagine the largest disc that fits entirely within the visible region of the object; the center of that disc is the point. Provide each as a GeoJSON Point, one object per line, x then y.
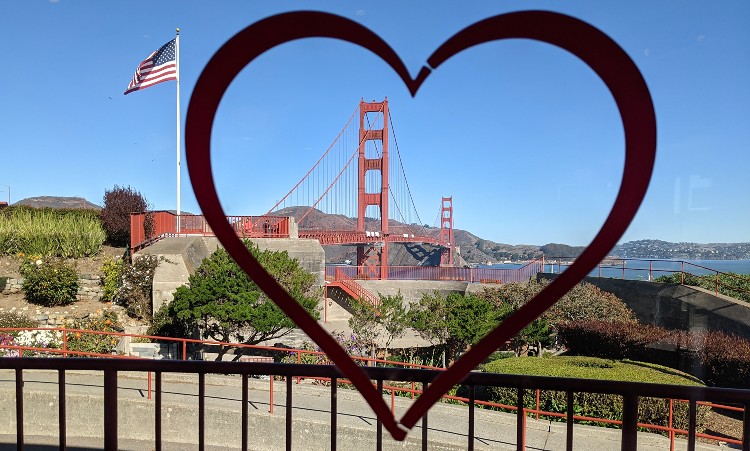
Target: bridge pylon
{"type": "Point", "coordinates": [372, 260]}
{"type": "Point", "coordinates": [446, 231]}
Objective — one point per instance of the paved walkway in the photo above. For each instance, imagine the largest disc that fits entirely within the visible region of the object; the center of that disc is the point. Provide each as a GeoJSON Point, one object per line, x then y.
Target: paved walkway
{"type": "Point", "coordinates": [447, 424]}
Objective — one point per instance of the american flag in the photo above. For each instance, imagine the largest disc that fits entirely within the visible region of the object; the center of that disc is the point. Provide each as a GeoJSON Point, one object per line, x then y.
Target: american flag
{"type": "Point", "coordinates": [158, 67]}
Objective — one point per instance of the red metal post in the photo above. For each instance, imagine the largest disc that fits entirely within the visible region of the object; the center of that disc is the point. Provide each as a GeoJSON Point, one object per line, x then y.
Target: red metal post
{"type": "Point", "coordinates": [671, 431]}
{"type": "Point", "coordinates": [270, 396]}
{"type": "Point", "coordinates": [682, 274]}
{"type": "Point", "coordinates": [149, 385]}
{"type": "Point", "coordinates": [717, 283]}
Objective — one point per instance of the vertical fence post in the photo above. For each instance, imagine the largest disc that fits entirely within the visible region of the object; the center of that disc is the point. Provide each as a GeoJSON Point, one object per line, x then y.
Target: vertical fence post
{"type": "Point", "coordinates": [692, 413]}
{"type": "Point", "coordinates": [184, 349]}
{"type": "Point", "coordinates": [470, 446]}
{"type": "Point", "coordinates": [270, 394]}
{"type": "Point", "coordinates": [538, 393]}
{"type": "Point", "coordinates": [671, 422]}
{"type": "Point", "coordinates": [65, 342]}
{"type": "Point", "coordinates": [746, 428]}
{"type": "Point", "coordinates": [19, 406]}
{"type": "Point", "coordinates": [289, 413]}
{"type": "Point", "coordinates": [378, 423]}
{"type": "Point", "coordinates": [569, 426]}
{"type": "Point", "coordinates": [520, 422]}
{"type": "Point", "coordinates": [110, 409]}
{"type": "Point", "coordinates": [629, 422]}
{"type": "Point", "coordinates": [334, 411]}
{"type": "Point", "coordinates": [717, 283]}
{"type": "Point", "coordinates": [682, 274]}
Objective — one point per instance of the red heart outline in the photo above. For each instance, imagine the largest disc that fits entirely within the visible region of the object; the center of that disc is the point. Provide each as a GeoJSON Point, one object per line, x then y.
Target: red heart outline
{"type": "Point", "coordinates": [597, 50]}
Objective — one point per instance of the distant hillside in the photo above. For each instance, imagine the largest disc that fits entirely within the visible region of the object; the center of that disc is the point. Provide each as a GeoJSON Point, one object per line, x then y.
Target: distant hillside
{"type": "Point", "coordinates": [57, 202]}
{"type": "Point", "coordinates": [690, 251]}
{"type": "Point", "coordinates": [475, 250]}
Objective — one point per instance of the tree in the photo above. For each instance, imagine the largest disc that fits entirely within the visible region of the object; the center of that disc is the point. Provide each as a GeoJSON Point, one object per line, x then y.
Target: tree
{"type": "Point", "coordinates": [454, 321]}
{"type": "Point", "coordinates": [119, 202]}
{"type": "Point", "coordinates": [389, 319]}
{"type": "Point", "coordinates": [584, 301]}
{"type": "Point", "coordinates": [364, 324]}
{"type": "Point", "coordinates": [227, 306]}
{"type": "Point", "coordinates": [393, 318]}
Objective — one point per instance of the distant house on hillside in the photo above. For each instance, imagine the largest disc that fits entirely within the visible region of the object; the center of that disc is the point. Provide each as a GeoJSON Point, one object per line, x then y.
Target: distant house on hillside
{"type": "Point", "coordinates": [3, 204]}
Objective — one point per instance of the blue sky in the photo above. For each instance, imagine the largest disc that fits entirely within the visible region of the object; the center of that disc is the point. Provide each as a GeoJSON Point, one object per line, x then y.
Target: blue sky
{"type": "Point", "coordinates": [523, 135]}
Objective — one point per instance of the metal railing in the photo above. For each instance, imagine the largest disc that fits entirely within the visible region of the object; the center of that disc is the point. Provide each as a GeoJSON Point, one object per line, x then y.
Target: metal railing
{"type": "Point", "coordinates": [471, 275]}
{"type": "Point", "coordinates": [167, 224]}
{"type": "Point", "coordinates": [381, 371]}
{"type": "Point", "coordinates": [630, 391]}
{"type": "Point", "coordinates": [650, 269]}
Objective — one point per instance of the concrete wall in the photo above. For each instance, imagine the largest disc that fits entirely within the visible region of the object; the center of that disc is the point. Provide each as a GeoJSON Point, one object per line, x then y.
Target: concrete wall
{"type": "Point", "coordinates": [677, 306]}
{"type": "Point", "coordinates": [412, 290]}
{"type": "Point", "coordinates": [180, 257]}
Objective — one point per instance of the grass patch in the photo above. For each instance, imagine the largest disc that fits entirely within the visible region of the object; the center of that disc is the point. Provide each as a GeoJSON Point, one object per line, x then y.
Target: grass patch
{"type": "Point", "coordinates": [592, 368]}
{"type": "Point", "coordinates": [50, 233]}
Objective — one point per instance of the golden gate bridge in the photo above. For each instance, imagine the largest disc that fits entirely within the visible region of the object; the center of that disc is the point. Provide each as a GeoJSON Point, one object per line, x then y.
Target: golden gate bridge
{"type": "Point", "coordinates": [356, 194]}
{"type": "Point", "coordinates": [358, 181]}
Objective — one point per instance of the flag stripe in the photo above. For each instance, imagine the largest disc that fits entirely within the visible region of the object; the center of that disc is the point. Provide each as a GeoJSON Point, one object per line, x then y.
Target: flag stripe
{"type": "Point", "coordinates": [160, 66]}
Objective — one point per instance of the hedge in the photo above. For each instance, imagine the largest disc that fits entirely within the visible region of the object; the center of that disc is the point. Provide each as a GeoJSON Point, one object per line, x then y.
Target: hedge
{"type": "Point", "coordinates": [724, 359]}
{"type": "Point", "coordinates": [650, 410]}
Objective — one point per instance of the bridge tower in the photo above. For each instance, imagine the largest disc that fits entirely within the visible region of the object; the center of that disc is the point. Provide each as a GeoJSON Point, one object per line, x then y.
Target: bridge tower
{"type": "Point", "coordinates": [372, 260]}
{"type": "Point", "coordinates": [446, 231]}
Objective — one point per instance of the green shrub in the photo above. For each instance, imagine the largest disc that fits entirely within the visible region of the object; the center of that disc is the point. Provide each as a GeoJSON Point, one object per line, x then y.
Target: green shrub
{"type": "Point", "coordinates": [103, 321]}
{"type": "Point", "coordinates": [650, 410]}
{"type": "Point", "coordinates": [3, 282]}
{"type": "Point", "coordinates": [583, 301]}
{"type": "Point", "coordinates": [111, 280]}
{"type": "Point", "coordinates": [164, 324]}
{"type": "Point", "coordinates": [49, 283]}
{"type": "Point", "coordinates": [49, 232]}
{"type": "Point", "coordinates": [137, 281]}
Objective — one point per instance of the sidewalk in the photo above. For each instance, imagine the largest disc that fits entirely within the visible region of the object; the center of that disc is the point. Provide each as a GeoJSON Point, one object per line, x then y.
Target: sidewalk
{"type": "Point", "coordinates": [356, 425]}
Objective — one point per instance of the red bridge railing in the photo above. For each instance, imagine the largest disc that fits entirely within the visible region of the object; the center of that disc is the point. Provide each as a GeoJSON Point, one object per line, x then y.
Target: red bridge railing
{"type": "Point", "coordinates": [471, 275]}
{"type": "Point", "coordinates": [167, 224]}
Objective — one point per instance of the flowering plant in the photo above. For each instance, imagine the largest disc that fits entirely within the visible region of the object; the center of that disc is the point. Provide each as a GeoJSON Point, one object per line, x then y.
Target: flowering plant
{"type": "Point", "coordinates": [7, 340]}
{"type": "Point", "coordinates": [102, 321]}
{"type": "Point", "coordinates": [46, 339]}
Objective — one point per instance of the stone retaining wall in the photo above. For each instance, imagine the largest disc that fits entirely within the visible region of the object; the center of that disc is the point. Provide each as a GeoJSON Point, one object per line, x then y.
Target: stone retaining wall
{"type": "Point", "coordinates": [89, 287]}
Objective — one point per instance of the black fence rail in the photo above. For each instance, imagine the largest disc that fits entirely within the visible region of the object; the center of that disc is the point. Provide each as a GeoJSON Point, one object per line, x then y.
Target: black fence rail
{"type": "Point", "coordinates": [109, 368]}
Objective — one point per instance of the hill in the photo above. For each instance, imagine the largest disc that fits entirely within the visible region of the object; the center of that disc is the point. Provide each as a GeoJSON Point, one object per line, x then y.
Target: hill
{"type": "Point", "coordinates": [57, 202]}
{"type": "Point", "coordinates": [475, 250]}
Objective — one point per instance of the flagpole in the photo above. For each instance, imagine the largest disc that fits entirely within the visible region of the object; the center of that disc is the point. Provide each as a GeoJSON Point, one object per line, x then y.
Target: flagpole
{"type": "Point", "coordinates": [177, 70]}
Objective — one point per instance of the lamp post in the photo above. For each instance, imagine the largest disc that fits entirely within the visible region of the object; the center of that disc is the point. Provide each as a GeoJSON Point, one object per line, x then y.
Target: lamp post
{"type": "Point", "coordinates": [7, 186]}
